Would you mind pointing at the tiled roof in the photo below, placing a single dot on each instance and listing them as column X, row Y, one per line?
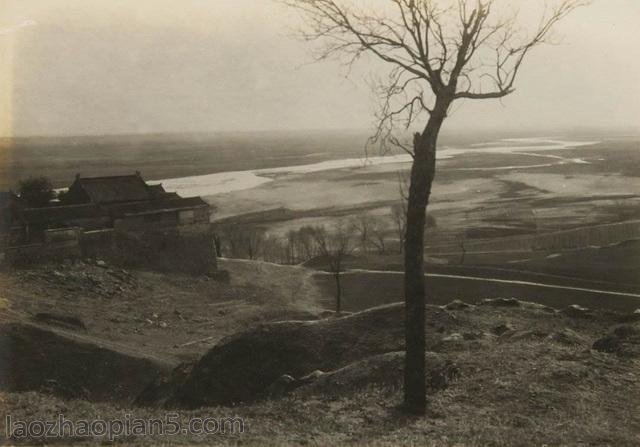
column 154, row 206
column 122, row 188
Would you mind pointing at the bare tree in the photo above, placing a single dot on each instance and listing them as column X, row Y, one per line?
column 292, row 242
column 307, row 243
column 253, row 242
column 362, row 227
column 438, row 52
column 241, row 242
column 461, row 239
column 399, row 216
column 379, row 229
column 335, row 247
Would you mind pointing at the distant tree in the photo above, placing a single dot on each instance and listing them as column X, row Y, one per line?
column 462, row 243
column 438, row 52
column 379, row 229
column 244, row 242
column 217, row 242
column 461, row 238
column 230, row 240
column 253, row 240
column 307, row 244
column 362, row 228
column 399, row 217
column 335, row 247
column 36, row 191
column 292, row 245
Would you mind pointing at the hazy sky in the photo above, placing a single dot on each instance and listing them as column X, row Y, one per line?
column 122, row 66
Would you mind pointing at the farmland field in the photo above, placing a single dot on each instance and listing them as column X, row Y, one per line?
column 489, row 185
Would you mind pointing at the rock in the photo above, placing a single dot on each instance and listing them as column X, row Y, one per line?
column 502, row 328
column 539, row 307
column 623, row 341
column 310, row 377
column 44, row 360
column 631, row 318
column 570, row 372
column 241, row 366
column 163, row 385
column 567, row 337
column 453, row 337
column 472, row 335
column 575, row 311
column 626, row 331
column 457, row 305
column 526, row 335
column 501, row 302
column 608, row 343
column 101, row 263
column 280, row 386
column 68, row 321
column 381, row 370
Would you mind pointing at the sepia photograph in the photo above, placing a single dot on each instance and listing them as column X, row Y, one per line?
column 320, row 222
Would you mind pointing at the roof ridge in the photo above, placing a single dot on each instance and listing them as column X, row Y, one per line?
column 111, row 176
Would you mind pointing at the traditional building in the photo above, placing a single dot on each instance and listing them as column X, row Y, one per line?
column 120, row 217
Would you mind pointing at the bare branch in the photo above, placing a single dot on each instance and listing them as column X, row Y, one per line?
column 438, row 51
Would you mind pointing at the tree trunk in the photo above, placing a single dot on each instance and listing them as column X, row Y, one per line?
column 422, row 175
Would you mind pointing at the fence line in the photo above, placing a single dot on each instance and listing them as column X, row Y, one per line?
column 598, row 235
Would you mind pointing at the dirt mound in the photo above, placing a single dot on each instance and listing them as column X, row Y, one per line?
column 242, row 366
column 379, row 370
column 36, row 359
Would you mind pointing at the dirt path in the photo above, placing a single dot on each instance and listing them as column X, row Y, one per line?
column 363, row 289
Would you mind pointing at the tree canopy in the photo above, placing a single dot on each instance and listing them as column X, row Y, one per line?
column 36, row 191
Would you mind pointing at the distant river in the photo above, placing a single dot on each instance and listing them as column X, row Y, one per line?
column 226, row 182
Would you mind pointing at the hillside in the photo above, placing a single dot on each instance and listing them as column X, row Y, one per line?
column 171, row 316
column 499, row 372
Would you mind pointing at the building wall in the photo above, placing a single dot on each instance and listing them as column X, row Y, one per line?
column 98, row 243
column 166, row 241
column 185, row 248
column 63, row 243
column 146, row 221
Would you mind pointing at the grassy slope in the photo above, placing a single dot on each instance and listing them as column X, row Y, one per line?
column 528, row 386
column 614, row 268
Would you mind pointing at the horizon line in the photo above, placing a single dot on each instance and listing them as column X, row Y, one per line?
column 573, row 128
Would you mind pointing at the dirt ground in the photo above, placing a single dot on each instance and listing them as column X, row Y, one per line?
column 171, row 316
column 518, row 374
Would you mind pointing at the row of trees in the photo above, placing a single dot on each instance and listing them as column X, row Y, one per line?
column 366, row 234
column 297, row 246
column 327, row 247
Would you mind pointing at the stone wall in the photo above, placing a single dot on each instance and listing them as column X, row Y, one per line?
column 187, row 248
column 63, row 243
